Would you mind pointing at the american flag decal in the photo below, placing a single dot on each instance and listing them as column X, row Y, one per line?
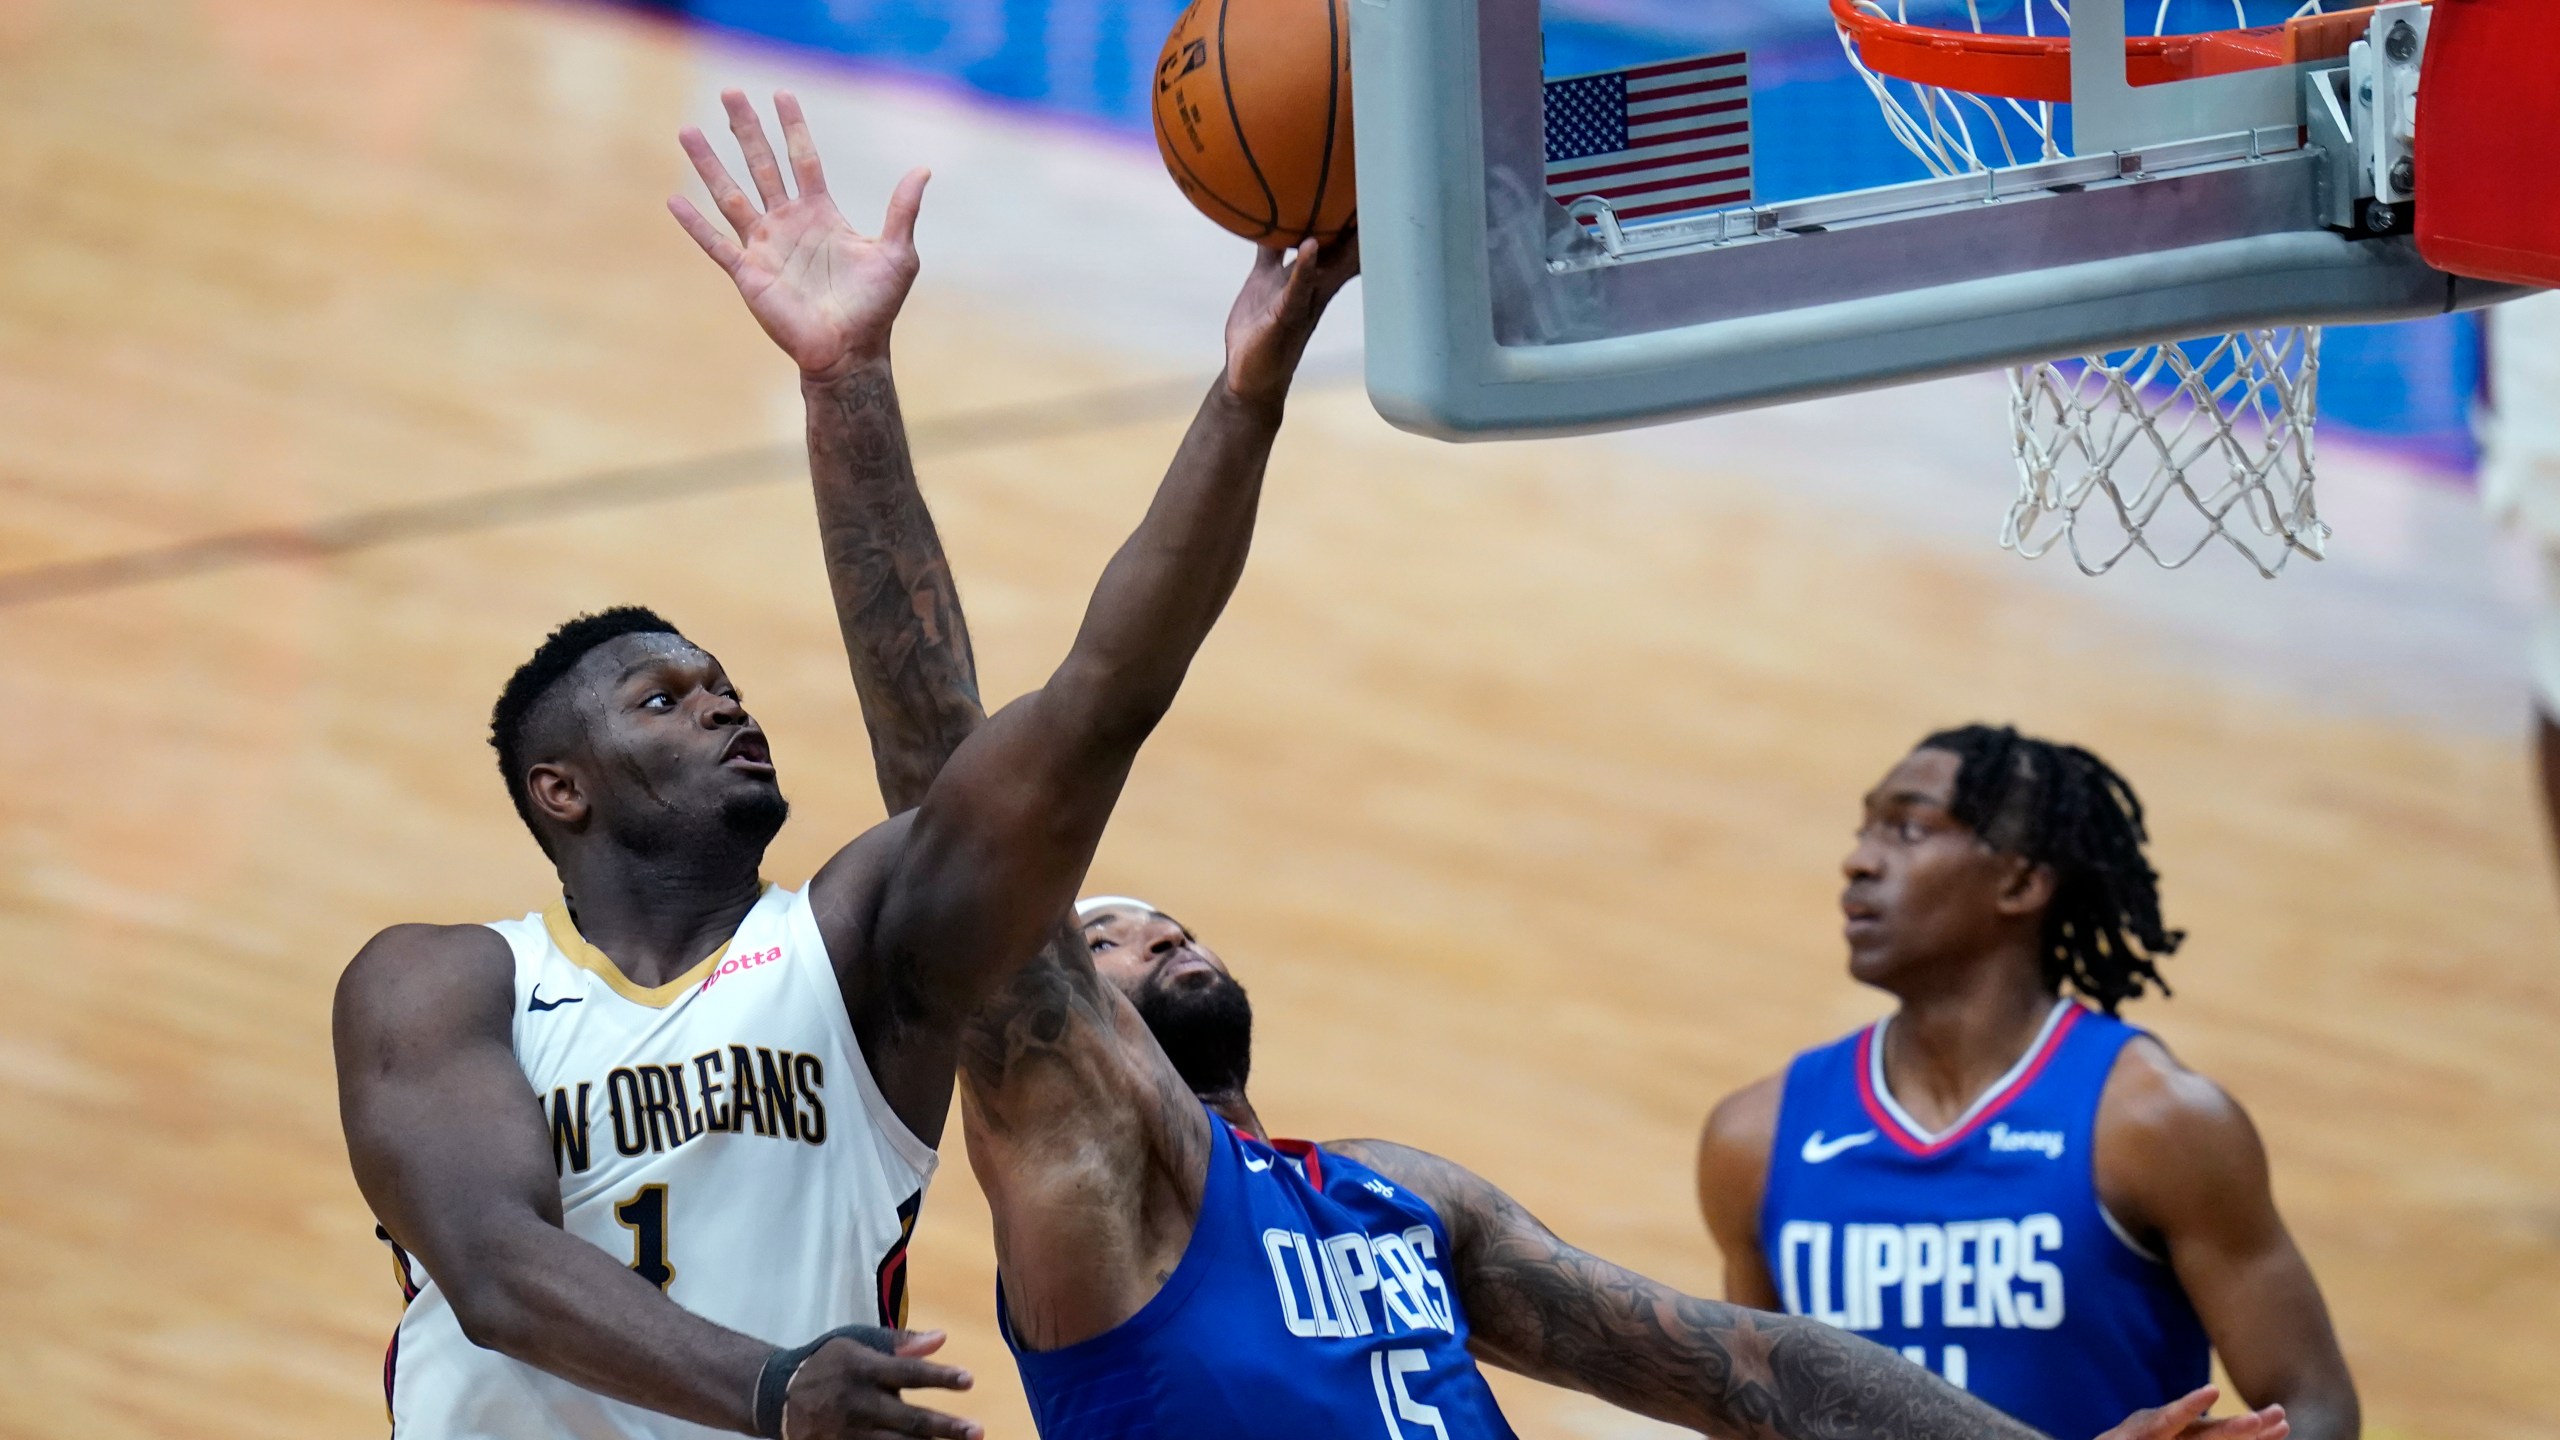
column 1655, row 140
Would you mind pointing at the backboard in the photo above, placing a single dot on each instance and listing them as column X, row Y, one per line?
column 2181, row 208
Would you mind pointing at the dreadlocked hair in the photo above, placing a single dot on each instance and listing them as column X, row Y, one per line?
column 2063, row 807
column 557, row 655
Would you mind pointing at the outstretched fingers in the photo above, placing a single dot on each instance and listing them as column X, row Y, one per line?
column 905, row 203
column 733, row 203
column 723, row 251
column 748, row 127
column 805, row 169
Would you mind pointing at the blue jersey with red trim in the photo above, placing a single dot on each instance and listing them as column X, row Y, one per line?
column 1982, row 1251
column 1313, row 1300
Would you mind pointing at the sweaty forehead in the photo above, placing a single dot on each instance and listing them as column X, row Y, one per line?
column 623, row 655
column 574, row 701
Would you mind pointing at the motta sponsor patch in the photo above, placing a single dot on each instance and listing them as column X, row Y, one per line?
column 744, row 960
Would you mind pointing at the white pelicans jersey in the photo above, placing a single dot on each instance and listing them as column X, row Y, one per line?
column 719, row 1133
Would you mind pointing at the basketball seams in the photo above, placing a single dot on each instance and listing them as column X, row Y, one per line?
column 1199, row 187
column 1235, row 122
column 1332, row 113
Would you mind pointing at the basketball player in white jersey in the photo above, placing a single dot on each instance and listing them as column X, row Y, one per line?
column 737, row 1087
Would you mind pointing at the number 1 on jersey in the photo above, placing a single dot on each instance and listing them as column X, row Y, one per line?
column 645, row 1216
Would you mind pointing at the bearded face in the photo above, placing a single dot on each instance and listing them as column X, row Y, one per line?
column 1195, row 1009
column 1205, row 1024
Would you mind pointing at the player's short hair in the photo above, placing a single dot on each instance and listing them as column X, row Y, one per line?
column 557, row 655
column 2061, row 806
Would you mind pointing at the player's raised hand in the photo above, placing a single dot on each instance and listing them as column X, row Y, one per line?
column 846, row 1390
column 2184, row 1419
column 1276, row 313
column 825, row 292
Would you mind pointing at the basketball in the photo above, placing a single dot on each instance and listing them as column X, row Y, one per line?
column 1253, row 116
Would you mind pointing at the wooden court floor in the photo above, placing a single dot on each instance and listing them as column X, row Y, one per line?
column 344, row 348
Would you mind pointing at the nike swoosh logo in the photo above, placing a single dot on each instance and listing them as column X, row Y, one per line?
column 537, row 1004
column 1256, row 1166
column 1817, row 1149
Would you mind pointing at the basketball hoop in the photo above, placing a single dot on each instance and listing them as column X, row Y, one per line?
column 2219, row 428
column 2223, row 426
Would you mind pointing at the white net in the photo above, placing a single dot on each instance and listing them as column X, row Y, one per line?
column 2183, row 443
column 2168, row 448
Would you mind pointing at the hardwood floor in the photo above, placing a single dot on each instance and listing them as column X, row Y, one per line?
column 1514, row 783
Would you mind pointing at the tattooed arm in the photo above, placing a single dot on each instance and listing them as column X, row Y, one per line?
column 895, row 601
column 1549, row 1311
column 829, row 295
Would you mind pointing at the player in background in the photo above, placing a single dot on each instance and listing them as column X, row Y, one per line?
column 2520, row 485
column 2002, row 1180
column 1168, row 1272
column 738, row 1086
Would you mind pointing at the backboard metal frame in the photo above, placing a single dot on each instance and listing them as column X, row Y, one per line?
column 1491, row 313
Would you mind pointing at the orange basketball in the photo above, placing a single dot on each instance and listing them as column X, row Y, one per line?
column 1253, row 115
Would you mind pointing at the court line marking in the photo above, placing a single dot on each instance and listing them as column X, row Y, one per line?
column 1083, row 413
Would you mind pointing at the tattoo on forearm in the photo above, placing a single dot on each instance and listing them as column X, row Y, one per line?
column 1031, row 1020
column 1551, row 1311
column 895, row 600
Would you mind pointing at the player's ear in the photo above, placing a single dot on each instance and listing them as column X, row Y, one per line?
column 557, row 794
column 2029, row 887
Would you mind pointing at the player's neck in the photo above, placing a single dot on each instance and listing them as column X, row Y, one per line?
column 1949, row 1044
column 655, row 921
column 1232, row 1107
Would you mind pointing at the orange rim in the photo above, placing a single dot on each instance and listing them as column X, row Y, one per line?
column 2038, row 67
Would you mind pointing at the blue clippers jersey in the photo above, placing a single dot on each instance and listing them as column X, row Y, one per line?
column 1312, row 1301
column 1982, row 1252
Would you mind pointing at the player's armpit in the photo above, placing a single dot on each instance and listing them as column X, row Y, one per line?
column 1549, row 1311
column 1092, row 1151
column 449, row 1147
column 1733, row 1175
column 2180, row 1165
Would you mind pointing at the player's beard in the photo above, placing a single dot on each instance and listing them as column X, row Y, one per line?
column 1206, row 1031
column 754, row 817
column 726, row 834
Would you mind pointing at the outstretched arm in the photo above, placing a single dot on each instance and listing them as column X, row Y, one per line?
column 448, row 1144
column 1554, row 1313
column 828, row 296
column 1004, row 834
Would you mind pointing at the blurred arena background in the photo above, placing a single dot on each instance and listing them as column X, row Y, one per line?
column 345, row 347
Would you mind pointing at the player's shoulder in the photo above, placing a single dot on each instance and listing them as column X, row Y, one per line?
column 409, row 966
column 1734, row 1149
column 1387, row 1157
column 1745, row 1123
column 2150, row 1089
column 1446, row 1186
column 2158, row 1113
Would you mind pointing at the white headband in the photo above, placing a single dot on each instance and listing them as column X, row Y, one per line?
column 1089, row 904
